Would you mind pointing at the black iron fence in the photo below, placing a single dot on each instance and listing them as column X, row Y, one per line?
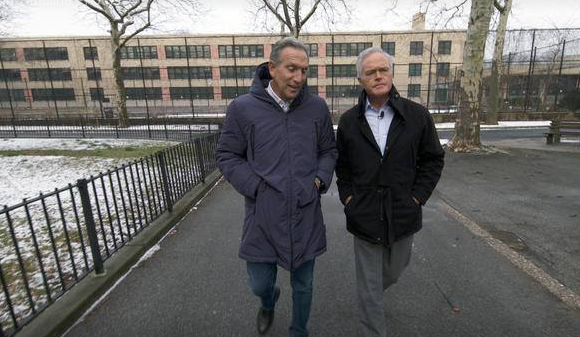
column 168, row 128
column 51, row 242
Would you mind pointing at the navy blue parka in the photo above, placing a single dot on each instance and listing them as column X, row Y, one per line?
column 272, row 157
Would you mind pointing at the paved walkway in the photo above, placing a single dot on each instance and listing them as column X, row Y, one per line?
column 195, row 285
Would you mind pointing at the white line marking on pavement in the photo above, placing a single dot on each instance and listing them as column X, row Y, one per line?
column 554, row 286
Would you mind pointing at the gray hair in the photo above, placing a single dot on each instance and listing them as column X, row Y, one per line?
column 363, row 55
column 275, row 55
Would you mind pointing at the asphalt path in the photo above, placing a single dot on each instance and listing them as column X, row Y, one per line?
column 456, row 285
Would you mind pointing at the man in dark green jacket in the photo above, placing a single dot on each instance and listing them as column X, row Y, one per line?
column 390, row 160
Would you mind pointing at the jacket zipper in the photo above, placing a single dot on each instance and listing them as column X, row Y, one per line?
column 316, row 139
column 252, row 137
column 290, row 215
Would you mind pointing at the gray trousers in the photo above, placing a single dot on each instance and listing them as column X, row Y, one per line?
column 377, row 268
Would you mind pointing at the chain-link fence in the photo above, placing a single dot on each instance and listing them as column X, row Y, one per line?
column 200, row 75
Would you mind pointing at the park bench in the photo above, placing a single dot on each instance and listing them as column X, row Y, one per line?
column 559, row 129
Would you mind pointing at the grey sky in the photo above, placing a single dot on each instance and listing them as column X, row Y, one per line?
column 66, row 17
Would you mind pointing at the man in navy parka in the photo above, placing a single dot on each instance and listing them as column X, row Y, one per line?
column 277, row 148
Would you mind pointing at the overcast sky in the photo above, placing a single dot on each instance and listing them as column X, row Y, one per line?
column 67, row 17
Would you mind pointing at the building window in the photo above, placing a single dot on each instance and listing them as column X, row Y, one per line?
column 8, row 54
column 59, row 94
column 313, row 90
column 346, row 49
column 233, row 92
column 416, row 48
column 195, row 73
column 415, row 69
column 341, row 70
column 241, row 71
column 312, row 49
column 53, row 74
column 389, row 47
column 143, row 93
column 10, row 75
column 341, row 91
column 189, row 93
column 441, row 95
column 444, row 48
column 245, row 50
column 90, row 53
column 132, row 52
column 52, row 54
column 139, row 73
column 14, row 95
column 180, row 52
column 312, row 71
column 97, row 94
column 414, row 90
column 94, row 74
column 443, row 69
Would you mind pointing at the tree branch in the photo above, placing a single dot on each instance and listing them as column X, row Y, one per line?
column 98, row 10
column 275, row 12
column 287, row 15
column 498, row 6
column 312, row 10
column 133, row 9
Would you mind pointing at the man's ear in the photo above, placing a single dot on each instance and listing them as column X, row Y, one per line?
column 271, row 67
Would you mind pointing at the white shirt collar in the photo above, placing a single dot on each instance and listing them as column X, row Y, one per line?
column 370, row 107
column 285, row 105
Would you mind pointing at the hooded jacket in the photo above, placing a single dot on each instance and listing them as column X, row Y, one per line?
column 382, row 209
column 272, row 157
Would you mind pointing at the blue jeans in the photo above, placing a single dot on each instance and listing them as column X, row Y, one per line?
column 262, row 279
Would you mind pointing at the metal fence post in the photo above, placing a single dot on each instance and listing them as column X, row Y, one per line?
column 165, row 127
column 14, row 127
column 90, row 222
column 199, row 155
column 82, row 126
column 165, row 180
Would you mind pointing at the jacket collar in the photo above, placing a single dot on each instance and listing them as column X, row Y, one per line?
column 394, row 102
column 397, row 125
column 261, row 80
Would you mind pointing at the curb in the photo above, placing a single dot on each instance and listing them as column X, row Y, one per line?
column 65, row 311
column 551, row 284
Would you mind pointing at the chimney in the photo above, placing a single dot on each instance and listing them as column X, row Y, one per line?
column 418, row 21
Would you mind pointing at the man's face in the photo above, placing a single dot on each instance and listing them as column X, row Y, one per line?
column 376, row 76
column 290, row 74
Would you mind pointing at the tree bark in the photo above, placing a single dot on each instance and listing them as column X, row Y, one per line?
column 120, row 97
column 466, row 137
column 497, row 63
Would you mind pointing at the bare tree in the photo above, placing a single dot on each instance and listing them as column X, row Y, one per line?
column 466, row 137
column 8, row 11
column 294, row 16
column 497, row 60
column 126, row 19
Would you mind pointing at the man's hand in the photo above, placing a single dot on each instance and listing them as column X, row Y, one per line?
column 347, row 200
column 317, row 182
column 417, row 202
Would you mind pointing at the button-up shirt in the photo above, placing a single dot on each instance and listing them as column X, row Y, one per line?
column 379, row 121
column 285, row 105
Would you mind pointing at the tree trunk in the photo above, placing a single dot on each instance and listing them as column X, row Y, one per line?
column 497, row 64
column 466, row 138
column 120, row 97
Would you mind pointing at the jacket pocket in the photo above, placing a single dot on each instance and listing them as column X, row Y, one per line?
column 252, row 146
